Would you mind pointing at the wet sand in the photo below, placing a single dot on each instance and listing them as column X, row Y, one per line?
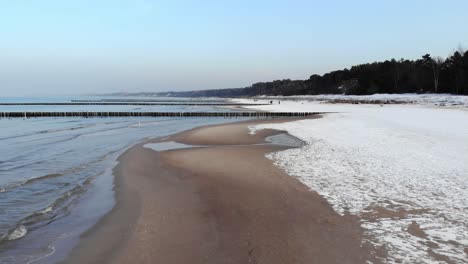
column 225, row 203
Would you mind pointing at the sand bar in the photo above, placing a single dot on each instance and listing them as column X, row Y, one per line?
column 225, row 203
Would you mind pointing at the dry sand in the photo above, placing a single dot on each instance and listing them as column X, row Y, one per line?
column 225, row 203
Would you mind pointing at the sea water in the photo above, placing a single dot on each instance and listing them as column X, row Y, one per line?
column 56, row 173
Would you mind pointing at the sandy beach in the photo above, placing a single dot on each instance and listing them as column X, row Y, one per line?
column 222, row 203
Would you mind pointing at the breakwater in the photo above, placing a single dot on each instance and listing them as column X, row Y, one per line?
column 155, row 114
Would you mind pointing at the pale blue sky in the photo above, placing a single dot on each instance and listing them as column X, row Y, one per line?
column 83, row 46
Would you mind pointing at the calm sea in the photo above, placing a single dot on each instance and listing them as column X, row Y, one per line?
column 56, row 173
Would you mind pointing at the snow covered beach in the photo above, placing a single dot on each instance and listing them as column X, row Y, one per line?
column 403, row 169
column 439, row 100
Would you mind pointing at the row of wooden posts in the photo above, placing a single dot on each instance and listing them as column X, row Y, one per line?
column 154, row 114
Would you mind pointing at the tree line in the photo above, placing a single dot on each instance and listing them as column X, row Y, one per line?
column 425, row 75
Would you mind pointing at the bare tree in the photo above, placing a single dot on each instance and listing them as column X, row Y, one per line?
column 436, row 65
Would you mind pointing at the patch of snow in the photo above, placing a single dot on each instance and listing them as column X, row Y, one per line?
column 410, row 160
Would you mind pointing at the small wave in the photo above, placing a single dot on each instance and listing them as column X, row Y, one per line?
column 60, row 203
column 71, row 170
column 45, row 141
column 46, row 132
column 47, row 176
column 63, row 129
column 18, row 233
column 29, row 181
column 44, row 216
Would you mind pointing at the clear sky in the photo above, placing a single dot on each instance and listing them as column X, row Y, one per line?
column 86, row 46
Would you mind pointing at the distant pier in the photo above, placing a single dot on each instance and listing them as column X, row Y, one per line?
column 156, row 114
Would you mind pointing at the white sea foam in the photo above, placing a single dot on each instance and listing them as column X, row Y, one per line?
column 410, row 160
column 46, row 210
column 18, row 233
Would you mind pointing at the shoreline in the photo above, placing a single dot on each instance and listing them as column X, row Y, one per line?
column 222, row 203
